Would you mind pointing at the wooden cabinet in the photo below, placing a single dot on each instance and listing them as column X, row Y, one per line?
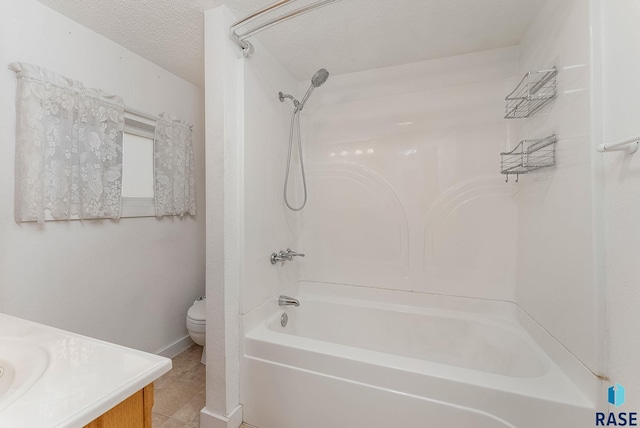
column 134, row 412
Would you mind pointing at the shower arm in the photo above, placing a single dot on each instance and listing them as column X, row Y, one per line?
column 296, row 103
column 240, row 39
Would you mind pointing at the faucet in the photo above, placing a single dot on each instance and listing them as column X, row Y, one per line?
column 288, row 301
column 284, row 256
column 290, row 254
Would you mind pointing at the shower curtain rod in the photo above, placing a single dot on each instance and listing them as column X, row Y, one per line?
column 240, row 39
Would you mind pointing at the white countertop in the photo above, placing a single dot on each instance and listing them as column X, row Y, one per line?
column 84, row 378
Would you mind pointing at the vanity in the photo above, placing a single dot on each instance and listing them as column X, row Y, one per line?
column 134, row 412
column 54, row 378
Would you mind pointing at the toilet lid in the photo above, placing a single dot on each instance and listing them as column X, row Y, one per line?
column 197, row 311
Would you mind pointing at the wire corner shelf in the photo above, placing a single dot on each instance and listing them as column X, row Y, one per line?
column 528, row 156
column 535, row 90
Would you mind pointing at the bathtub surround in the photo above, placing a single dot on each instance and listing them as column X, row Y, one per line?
column 442, row 122
column 621, row 110
column 129, row 282
column 414, row 148
column 268, row 226
column 559, row 237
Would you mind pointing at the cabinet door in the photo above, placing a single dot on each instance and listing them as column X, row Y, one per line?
column 134, row 412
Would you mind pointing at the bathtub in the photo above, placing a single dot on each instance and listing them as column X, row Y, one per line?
column 356, row 357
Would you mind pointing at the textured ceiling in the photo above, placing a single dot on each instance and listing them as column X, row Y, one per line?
column 346, row 36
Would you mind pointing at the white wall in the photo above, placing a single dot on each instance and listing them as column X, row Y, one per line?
column 557, row 259
column 223, row 69
column 129, row 282
column 621, row 90
column 404, row 184
column 247, row 135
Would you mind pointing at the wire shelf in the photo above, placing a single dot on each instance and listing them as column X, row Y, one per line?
column 533, row 92
column 529, row 155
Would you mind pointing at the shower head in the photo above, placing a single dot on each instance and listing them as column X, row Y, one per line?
column 318, row 79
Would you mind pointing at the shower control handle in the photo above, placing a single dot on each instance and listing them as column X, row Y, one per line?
column 277, row 257
column 290, row 254
column 284, row 256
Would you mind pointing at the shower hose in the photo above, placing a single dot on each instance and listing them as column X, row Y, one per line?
column 295, row 126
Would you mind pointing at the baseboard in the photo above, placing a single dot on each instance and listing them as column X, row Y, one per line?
column 211, row 420
column 176, row 347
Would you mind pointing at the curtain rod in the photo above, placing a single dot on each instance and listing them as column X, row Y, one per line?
column 141, row 114
column 247, row 47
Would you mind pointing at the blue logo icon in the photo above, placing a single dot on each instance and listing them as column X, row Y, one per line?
column 616, row 395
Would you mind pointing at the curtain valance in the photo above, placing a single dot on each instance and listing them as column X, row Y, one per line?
column 69, row 152
column 174, row 170
column 68, row 148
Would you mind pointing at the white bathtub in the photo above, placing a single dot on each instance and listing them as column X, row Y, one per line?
column 354, row 357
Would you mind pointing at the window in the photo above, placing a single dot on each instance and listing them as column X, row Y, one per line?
column 137, row 166
column 81, row 154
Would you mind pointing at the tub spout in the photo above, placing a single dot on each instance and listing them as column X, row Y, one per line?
column 288, row 301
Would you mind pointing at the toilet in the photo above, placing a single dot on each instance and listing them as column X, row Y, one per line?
column 196, row 324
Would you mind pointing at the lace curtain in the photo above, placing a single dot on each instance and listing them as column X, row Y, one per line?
column 68, row 148
column 174, row 170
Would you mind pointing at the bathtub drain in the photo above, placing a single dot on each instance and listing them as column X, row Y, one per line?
column 284, row 319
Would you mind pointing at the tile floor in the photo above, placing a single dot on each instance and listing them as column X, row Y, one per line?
column 180, row 393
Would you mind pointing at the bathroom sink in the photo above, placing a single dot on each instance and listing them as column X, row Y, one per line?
column 56, row 378
column 22, row 363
